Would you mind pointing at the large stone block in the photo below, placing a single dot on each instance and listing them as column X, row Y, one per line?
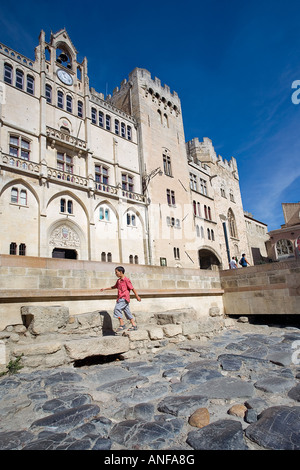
column 176, row 316
column 172, row 330
column 41, row 320
column 104, row 346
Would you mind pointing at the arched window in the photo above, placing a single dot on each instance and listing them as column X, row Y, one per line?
column 70, row 207
column 22, row 249
column 8, row 73
column 284, row 248
column 62, row 205
column 13, row 248
column 23, row 197
column 232, row 224
column 14, row 195
column 131, row 219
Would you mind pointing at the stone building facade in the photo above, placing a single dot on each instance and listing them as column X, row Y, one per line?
column 108, row 179
column 258, row 238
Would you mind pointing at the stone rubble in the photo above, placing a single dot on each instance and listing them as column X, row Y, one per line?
column 237, row 390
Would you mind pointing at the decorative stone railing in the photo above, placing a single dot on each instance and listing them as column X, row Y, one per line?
column 60, row 136
column 20, row 164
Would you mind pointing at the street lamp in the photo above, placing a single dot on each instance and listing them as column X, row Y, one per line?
column 148, row 177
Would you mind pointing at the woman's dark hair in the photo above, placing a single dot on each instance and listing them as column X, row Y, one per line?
column 120, row 269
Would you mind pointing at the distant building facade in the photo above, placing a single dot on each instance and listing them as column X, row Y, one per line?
column 285, row 242
column 108, row 179
column 258, row 238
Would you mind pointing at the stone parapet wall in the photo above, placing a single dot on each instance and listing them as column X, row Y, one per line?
column 75, row 284
column 268, row 289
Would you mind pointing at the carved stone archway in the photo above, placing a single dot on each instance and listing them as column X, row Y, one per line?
column 64, row 242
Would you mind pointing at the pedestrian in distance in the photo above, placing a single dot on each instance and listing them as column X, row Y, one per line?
column 232, row 263
column 124, row 287
column 243, row 262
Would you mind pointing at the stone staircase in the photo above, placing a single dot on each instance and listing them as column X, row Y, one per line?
column 50, row 337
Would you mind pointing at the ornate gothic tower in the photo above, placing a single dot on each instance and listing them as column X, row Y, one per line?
column 163, row 165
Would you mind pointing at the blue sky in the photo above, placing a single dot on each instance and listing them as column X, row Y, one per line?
column 232, row 63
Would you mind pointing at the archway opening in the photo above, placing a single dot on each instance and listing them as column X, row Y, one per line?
column 208, row 260
column 64, row 253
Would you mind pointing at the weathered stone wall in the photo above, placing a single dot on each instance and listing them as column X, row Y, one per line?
column 268, row 289
column 50, row 337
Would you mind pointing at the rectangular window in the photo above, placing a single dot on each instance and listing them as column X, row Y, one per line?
column 19, row 79
column 80, row 109
column 25, row 149
column 19, row 147
column 30, row 84
column 70, row 207
column 101, row 119
column 94, row 116
column 101, row 174
column 62, row 205
column 170, row 197
column 127, row 182
column 117, row 127
column 167, row 165
column 22, row 249
column 69, row 103
column 107, row 122
column 203, row 187
column 193, row 181
column 13, row 248
column 48, row 94
column 23, row 197
column 14, row 195
column 60, row 99
column 123, row 129
column 64, row 162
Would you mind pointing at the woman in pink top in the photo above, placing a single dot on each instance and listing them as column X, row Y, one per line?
column 124, row 287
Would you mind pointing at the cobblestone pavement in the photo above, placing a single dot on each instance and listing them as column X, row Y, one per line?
column 242, row 386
